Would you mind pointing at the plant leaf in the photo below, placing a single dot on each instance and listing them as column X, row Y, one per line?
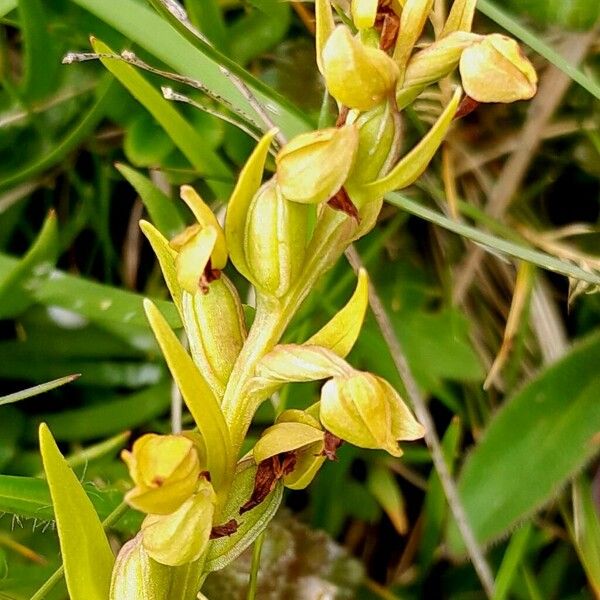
column 18, row 285
column 37, row 389
column 87, row 557
column 545, row 434
column 168, row 40
column 541, row 259
column 162, row 209
column 183, row 134
column 198, row 397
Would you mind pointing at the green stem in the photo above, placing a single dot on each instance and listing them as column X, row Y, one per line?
column 256, row 552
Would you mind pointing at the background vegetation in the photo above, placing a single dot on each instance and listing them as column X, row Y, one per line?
column 486, row 269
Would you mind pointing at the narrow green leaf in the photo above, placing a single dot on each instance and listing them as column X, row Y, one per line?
column 163, row 212
column 187, row 55
column 545, row 434
column 541, row 259
column 41, row 59
column 19, row 284
column 585, row 530
column 536, row 43
column 198, row 397
column 226, row 549
column 206, row 15
column 86, row 553
column 72, row 139
column 108, row 417
column 98, row 302
column 512, row 561
column 385, row 489
column 37, row 389
column 183, row 134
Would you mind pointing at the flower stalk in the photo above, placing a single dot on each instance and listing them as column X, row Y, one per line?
column 282, row 232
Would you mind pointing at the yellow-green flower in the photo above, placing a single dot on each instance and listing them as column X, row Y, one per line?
column 364, row 13
column 198, row 245
column 182, row 536
column 165, row 470
column 496, row 70
column 313, row 166
column 366, row 411
column 356, row 75
column 297, row 432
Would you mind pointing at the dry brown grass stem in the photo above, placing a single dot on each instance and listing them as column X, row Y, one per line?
column 431, row 438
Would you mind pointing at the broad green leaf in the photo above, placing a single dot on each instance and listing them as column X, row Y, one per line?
column 86, row 553
column 187, row 55
column 496, row 244
column 162, row 209
column 19, row 284
column 108, row 417
column 545, row 434
column 572, row 14
column 98, row 302
column 342, row 331
column 35, row 390
column 198, row 397
column 223, row 550
column 183, row 134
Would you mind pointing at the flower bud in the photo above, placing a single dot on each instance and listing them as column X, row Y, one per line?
column 182, row 536
column 496, row 70
column 433, row 63
column 364, row 13
column 292, row 433
column 198, row 244
column 314, row 166
column 216, row 331
column 357, row 76
column 275, row 239
column 136, row 576
column 165, row 470
column 366, row 411
column 379, row 132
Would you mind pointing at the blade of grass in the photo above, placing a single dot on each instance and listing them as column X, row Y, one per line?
column 60, row 150
column 541, row 259
column 185, row 137
column 536, row 43
column 187, row 55
column 37, row 389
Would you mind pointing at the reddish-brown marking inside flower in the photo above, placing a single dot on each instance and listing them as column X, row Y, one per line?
column 268, row 473
column 224, row 530
column 341, row 201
